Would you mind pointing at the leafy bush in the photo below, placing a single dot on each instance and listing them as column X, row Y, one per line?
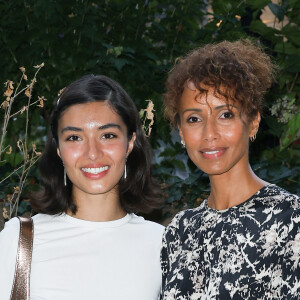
column 136, row 43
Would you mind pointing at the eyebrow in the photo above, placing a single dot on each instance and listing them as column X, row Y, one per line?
column 225, row 105
column 215, row 108
column 192, row 109
column 102, row 127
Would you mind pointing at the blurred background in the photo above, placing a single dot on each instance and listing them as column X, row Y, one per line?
column 46, row 44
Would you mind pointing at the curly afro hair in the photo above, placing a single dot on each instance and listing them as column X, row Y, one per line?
column 238, row 71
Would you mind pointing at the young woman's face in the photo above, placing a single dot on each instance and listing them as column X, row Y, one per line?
column 216, row 135
column 93, row 146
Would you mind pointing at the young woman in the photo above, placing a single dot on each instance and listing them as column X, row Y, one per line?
column 243, row 241
column 96, row 169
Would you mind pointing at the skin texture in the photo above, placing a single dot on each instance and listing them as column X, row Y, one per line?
column 217, row 141
column 92, row 135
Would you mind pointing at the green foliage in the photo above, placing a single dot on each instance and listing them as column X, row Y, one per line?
column 136, row 43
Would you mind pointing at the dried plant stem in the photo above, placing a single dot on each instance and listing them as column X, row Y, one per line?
column 22, row 180
column 23, row 144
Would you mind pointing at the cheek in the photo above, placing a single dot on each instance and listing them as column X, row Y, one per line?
column 191, row 136
column 70, row 152
column 236, row 134
column 117, row 151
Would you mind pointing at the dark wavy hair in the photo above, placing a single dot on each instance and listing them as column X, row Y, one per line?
column 138, row 192
column 239, row 71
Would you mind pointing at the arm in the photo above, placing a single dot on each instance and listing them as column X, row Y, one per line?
column 9, row 238
column 291, row 259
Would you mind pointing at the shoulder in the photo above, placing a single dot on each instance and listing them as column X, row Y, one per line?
column 11, row 229
column 275, row 190
column 185, row 218
column 183, row 223
column 148, row 235
column 147, row 226
column 273, row 195
column 40, row 219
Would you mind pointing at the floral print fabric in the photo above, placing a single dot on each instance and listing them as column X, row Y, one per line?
column 250, row 251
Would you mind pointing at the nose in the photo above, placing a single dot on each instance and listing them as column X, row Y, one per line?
column 210, row 131
column 94, row 150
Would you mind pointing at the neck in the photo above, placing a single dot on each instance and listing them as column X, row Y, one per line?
column 233, row 188
column 97, row 208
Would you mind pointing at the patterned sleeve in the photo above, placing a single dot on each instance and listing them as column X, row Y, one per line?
column 170, row 246
column 291, row 263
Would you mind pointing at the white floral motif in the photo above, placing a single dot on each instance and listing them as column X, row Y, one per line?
column 251, row 251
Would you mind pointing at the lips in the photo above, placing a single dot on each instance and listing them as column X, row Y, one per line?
column 95, row 171
column 212, row 153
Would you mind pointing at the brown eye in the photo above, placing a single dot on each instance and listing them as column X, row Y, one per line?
column 227, row 115
column 109, row 136
column 73, row 138
column 193, row 119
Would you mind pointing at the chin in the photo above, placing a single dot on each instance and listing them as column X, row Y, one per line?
column 211, row 172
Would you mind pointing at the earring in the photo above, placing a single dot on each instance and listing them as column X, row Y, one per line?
column 65, row 177
column 252, row 138
column 183, row 143
column 125, row 172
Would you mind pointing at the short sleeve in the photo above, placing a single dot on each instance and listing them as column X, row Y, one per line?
column 291, row 260
column 9, row 238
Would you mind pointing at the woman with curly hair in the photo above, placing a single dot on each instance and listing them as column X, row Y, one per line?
column 96, row 168
column 243, row 241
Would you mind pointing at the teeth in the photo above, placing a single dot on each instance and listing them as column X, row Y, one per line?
column 94, row 170
column 211, row 152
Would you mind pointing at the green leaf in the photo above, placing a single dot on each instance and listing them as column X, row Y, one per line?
column 275, row 128
column 286, row 48
column 168, row 152
column 120, row 63
column 277, row 10
column 290, row 135
column 292, row 32
column 258, row 4
column 268, row 33
column 292, row 63
column 179, row 164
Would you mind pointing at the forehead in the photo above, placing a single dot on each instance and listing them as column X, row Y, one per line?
column 99, row 112
column 193, row 98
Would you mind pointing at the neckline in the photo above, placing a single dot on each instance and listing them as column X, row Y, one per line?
column 221, row 211
column 107, row 224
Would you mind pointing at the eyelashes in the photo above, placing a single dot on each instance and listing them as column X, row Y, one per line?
column 227, row 115
column 76, row 138
column 73, row 138
column 193, row 119
column 109, row 136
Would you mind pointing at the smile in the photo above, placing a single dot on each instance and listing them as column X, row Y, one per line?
column 94, row 170
column 212, row 153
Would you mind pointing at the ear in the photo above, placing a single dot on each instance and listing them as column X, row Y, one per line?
column 254, row 125
column 58, row 152
column 131, row 143
column 180, row 132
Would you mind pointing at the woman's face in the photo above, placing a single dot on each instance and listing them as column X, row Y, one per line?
column 93, row 146
column 216, row 135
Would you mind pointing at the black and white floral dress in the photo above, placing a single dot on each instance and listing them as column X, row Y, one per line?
column 250, row 251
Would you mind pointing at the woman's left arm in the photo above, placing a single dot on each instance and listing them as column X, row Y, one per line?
column 291, row 260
